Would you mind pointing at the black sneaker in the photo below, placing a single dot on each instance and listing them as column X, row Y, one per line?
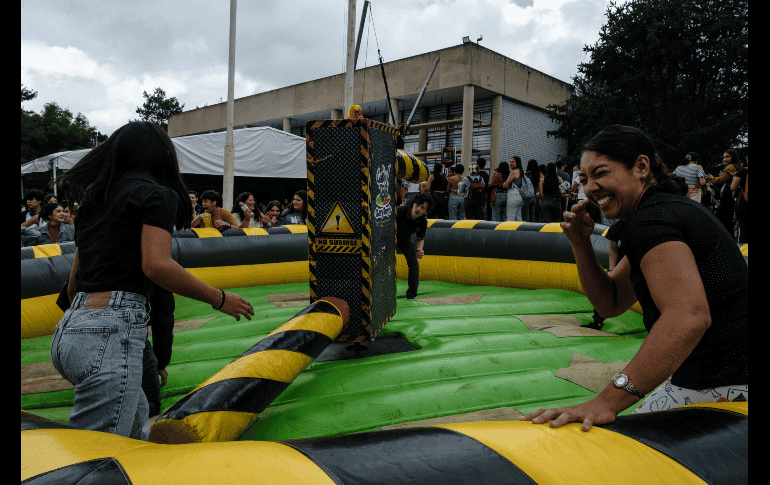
column 594, row 325
column 411, row 297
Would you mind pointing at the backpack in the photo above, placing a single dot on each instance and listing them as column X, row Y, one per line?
column 477, row 193
column 527, row 190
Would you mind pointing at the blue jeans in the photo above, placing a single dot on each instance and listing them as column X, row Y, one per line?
column 100, row 351
column 499, row 207
column 456, row 209
column 515, row 203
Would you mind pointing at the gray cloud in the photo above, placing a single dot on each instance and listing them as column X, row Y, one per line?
column 98, row 57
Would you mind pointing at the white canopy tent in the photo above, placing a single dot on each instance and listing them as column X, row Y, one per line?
column 259, row 152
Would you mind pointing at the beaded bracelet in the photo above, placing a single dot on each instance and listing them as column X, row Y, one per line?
column 221, row 302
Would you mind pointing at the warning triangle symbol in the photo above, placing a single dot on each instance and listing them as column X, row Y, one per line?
column 337, row 222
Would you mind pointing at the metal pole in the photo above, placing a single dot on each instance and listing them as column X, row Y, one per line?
column 360, row 32
column 349, row 72
column 422, row 93
column 227, row 189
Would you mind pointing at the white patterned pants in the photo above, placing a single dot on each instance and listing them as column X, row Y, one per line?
column 668, row 396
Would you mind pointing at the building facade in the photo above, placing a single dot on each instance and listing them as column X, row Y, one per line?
column 499, row 104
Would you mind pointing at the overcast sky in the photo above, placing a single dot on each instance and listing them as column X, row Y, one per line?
column 97, row 57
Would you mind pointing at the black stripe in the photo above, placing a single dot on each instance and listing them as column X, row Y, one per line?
column 241, row 394
column 442, row 225
column 102, row 470
column 305, row 342
column 27, row 253
column 233, row 232
column 414, row 455
column 486, row 225
column 530, row 226
column 712, row 443
column 31, row 422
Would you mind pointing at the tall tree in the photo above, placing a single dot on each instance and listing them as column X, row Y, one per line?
column 54, row 129
column 158, row 109
column 676, row 69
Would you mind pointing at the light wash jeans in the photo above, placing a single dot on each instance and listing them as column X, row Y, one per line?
column 100, row 352
column 499, row 208
column 514, row 204
column 456, row 209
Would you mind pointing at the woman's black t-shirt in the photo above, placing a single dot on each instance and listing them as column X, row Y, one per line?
column 109, row 237
column 722, row 356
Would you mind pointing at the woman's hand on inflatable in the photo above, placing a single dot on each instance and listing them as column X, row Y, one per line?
column 578, row 225
column 595, row 411
column 235, row 306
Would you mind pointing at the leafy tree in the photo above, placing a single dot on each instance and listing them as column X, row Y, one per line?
column 54, row 129
column 158, row 109
column 677, row 70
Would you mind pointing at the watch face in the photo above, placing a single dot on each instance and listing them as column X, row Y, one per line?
column 621, row 380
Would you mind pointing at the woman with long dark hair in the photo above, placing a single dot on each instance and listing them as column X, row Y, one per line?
column 129, row 196
column 499, row 213
column 296, row 213
column 682, row 267
column 532, row 211
column 550, row 194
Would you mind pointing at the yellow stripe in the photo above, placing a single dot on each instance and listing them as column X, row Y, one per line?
column 46, row 250
column 552, row 227
column 736, row 407
column 276, row 365
column 297, row 228
column 231, row 462
column 204, row 232
column 604, row 234
column 465, row 224
column 252, row 274
column 45, row 450
column 39, row 316
column 508, row 226
column 745, row 249
column 325, row 323
column 217, row 426
column 432, row 221
column 555, row 455
column 255, row 231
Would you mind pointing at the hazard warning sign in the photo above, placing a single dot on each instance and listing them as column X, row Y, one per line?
column 337, row 222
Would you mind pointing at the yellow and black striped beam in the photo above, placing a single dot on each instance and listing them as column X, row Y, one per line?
column 410, row 168
column 223, row 406
column 697, row 444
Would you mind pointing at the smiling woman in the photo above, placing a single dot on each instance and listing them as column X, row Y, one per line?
column 681, row 265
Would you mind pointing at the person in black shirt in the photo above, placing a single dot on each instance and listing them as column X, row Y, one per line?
column 129, row 196
column 681, row 265
column 410, row 219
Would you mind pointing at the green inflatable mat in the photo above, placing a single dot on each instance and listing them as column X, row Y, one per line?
column 477, row 349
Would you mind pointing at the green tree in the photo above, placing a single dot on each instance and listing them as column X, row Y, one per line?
column 677, row 70
column 54, row 129
column 158, row 109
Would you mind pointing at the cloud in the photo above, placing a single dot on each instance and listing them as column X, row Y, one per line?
column 108, row 92
column 98, row 58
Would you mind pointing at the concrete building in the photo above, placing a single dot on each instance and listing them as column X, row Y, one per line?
column 506, row 99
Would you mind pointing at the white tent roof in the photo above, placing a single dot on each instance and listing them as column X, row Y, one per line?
column 259, row 152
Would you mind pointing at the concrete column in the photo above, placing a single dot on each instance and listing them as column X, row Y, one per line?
column 497, row 128
column 287, row 125
column 336, row 114
column 467, row 148
column 423, row 140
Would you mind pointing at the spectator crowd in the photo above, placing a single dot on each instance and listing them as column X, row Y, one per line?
column 46, row 220
column 535, row 192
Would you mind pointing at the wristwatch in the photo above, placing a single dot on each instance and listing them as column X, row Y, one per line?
column 621, row 382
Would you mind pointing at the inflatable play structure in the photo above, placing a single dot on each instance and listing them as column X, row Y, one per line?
column 490, row 340
column 339, row 379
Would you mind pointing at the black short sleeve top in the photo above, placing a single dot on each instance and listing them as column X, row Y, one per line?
column 721, row 357
column 108, row 237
